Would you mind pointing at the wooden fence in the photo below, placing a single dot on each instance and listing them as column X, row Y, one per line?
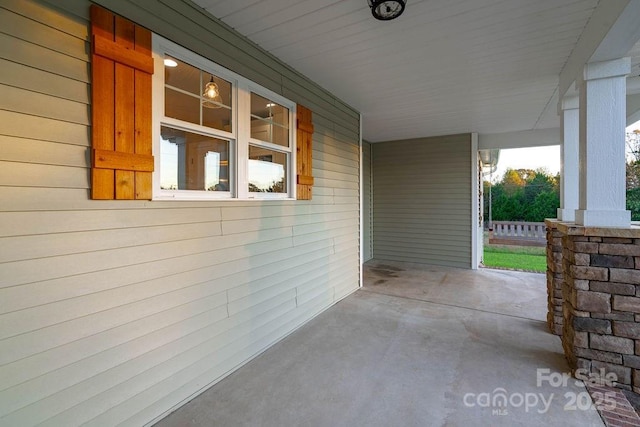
column 518, row 233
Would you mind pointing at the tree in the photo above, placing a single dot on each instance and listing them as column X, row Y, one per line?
column 539, row 182
column 633, row 159
column 633, row 173
column 508, row 207
column 513, row 180
column 633, row 203
column 545, row 205
column 524, row 195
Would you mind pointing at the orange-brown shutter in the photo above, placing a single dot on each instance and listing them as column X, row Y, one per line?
column 304, row 153
column 121, row 70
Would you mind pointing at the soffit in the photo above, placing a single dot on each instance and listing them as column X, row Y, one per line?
column 443, row 67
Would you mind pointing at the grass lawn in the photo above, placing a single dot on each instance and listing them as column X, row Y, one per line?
column 516, row 257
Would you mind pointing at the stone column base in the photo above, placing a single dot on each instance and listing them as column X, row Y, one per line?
column 554, row 277
column 601, row 301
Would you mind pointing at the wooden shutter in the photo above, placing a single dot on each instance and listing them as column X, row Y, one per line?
column 121, row 70
column 304, row 152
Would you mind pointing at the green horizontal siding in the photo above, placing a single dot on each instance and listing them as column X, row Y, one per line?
column 422, row 200
column 117, row 311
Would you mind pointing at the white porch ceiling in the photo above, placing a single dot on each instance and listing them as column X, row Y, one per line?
column 443, row 67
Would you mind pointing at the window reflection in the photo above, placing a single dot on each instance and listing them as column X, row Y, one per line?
column 182, row 76
column 191, row 161
column 269, row 121
column 267, row 170
column 188, row 96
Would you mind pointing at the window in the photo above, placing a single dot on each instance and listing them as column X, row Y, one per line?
column 195, row 96
column 269, row 149
column 192, row 161
column 216, row 134
column 269, row 121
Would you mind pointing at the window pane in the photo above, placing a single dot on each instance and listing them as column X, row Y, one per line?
column 190, row 161
column 267, row 170
column 217, row 118
column 269, row 121
column 216, row 92
column 182, row 76
column 181, row 106
column 216, row 102
column 197, row 96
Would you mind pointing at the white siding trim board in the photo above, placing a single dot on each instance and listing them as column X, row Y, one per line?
column 476, row 224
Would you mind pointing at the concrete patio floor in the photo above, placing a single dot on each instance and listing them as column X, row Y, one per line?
column 417, row 346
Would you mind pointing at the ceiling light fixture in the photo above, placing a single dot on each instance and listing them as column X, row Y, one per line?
column 211, row 95
column 270, row 105
column 170, row 63
column 386, row 10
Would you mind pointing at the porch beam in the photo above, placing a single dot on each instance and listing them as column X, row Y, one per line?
column 522, row 139
column 633, row 109
column 633, row 86
column 633, row 100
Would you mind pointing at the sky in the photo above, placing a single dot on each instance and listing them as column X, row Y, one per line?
column 534, row 158
column 528, row 158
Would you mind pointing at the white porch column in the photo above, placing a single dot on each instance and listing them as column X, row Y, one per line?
column 569, row 159
column 602, row 126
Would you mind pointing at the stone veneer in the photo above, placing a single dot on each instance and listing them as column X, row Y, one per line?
column 554, row 277
column 601, row 300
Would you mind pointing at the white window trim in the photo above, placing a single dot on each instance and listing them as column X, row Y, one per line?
column 239, row 137
column 290, row 150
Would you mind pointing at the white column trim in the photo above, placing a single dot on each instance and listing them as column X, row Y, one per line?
column 476, row 254
column 361, row 191
column 569, row 159
column 607, row 69
column 602, row 193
